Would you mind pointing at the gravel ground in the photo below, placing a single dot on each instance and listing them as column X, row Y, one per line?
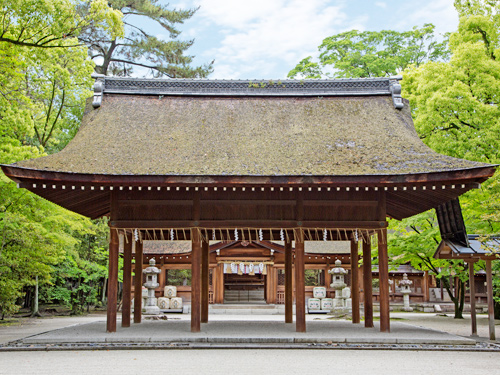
column 249, row 362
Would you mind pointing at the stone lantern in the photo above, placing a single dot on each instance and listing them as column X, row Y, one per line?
column 151, row 284
column 342, row 300
column 405, row 290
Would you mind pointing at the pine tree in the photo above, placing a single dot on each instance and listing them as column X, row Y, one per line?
column 140, row 49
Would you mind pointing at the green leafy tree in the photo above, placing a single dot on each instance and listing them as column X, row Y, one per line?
column 43, row 81
column 414, row 241
column 141, row 49
column 455, row 107
column 354, row 54
column 79, row 280
column 456, row 104
column 179, row 277
column 454, row 98
column 50, row 23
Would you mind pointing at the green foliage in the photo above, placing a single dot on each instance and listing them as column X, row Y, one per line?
column 140, row 49
column 454, row 98
column 51, row 23
column 179, row 277
column 414, row 241
column 372, row 53
column 44, row 80
column 78, row 281
column 455, row 110
column 456, row 104
column 314, row 277
column 306, row 69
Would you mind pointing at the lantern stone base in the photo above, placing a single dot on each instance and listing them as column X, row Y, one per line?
column 151, row 310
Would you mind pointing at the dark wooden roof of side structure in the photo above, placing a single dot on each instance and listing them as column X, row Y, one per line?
column 488, row 249
column 337, row 135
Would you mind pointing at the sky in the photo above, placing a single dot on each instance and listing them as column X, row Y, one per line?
column 265, row 39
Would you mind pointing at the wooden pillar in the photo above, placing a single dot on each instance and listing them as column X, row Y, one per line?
column 367, row 283
column 383, row 271
column 300, row 293
column 127, row 281
column 195, row 281
column 472, row 294
column 112, row 281
column 355, row 281
column 138, row 282
column 205, row 269
column 489, row 292
column 425, row 286
column 288, row 282
column 271, row 280
column 219, row 284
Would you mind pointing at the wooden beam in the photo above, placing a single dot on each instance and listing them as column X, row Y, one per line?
column 127, row 281
column 468, row 176
column 205, row 269
column 300, row 293
column 288, row 282
column 195, row 281
column 232, row 224
column 491, row 310
column 112, row 281
column 138, row 282
column 245, row 202
column 367, row 283
column 355, row 281
column 155, row 202
column 472, row 288
column 383, row 274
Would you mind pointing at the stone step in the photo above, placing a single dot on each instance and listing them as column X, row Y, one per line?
column 248, row 308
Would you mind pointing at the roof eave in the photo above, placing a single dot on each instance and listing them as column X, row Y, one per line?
column 478, row 174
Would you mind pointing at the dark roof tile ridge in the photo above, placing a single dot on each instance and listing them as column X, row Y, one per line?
column 247, row 88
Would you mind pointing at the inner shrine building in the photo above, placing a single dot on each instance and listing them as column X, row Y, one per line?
column 226, row 161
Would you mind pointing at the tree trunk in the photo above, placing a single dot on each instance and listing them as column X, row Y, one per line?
column 456, row 295
column 104, row 288
column 462, row 300
column 34, row 311
column 103, row 69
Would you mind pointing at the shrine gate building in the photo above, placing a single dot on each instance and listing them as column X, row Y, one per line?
column 204, row 160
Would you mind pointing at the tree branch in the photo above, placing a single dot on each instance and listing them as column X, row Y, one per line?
column 57, row 117
column 26, row 44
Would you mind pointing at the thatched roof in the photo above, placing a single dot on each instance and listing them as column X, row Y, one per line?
column 162, row 247
column 166, row 247
column 246, row 131
column 327, row 247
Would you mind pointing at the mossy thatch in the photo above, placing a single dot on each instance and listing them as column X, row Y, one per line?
column 272, row 136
